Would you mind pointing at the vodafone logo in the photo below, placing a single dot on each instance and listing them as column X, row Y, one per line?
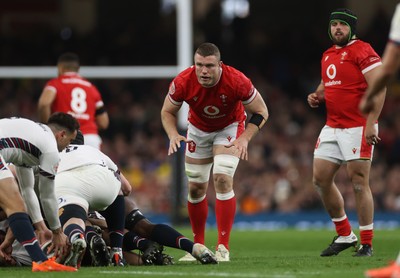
column 211, row 110
column 331, row 71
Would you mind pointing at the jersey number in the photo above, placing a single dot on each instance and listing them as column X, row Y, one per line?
column 78, row 100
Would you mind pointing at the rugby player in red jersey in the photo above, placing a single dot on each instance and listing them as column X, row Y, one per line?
column 348, row 136
column 217, row 96
column 71, row 93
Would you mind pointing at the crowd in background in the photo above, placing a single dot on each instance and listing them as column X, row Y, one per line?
column 277, row 176
column 284, row 68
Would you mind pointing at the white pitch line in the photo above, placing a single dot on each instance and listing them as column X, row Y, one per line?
column 207, row 274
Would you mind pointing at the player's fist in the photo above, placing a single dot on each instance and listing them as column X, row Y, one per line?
column 313, row 100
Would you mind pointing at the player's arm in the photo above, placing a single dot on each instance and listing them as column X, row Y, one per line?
column 316, row 98
column 258, row 116
column 371, row 133
column 26, row 181
column 102, row 119
column 126, row 187
column 44, row 104
column 169, row 118
column 390, row 64
column 49, row 201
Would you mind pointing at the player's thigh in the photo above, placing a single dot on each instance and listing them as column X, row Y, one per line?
column 10, row 197
column 358, row 171
column 324, row 171
column 200, row 145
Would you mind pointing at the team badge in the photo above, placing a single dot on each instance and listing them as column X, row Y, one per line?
column 192, row 146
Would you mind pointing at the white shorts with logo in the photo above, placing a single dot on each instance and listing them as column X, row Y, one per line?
column 343, row 144
column 203, row 142
column 93, row 187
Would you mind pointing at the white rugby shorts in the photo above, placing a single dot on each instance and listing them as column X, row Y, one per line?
column 343, row 144
column 93, row 187
column 203, row 142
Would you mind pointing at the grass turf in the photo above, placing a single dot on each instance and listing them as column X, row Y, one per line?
column 256, row 254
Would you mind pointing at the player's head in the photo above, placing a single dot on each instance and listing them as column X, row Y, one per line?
column 79, row 139
column 68, row 62
column 345, row 17
column 64, row 127
column 207, row 61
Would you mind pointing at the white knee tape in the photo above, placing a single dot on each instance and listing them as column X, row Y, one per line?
column 198, row 173
column 225, row 164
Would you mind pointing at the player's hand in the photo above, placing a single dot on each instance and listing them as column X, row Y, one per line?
column 59, row 243
column 371, row 135
column 175, row 143
column 43, row 235
column 239, row 148
column 6, row 250
column 313, row 100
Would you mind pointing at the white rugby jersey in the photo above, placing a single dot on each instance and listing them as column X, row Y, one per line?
column 26, row 143
column 75, row 156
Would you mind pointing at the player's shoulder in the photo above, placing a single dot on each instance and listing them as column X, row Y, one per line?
column 185, row 77
column 233, row 75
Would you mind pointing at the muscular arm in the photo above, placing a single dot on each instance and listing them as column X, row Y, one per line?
column 391, row 63
column 44, row 104
column 257, row 106
column 169, row 120
column 371, row 134
column 380, row 96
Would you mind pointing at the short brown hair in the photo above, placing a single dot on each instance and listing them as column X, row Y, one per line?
column 208, row 49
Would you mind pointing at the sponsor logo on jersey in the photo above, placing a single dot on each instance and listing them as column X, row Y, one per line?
column 211, row 110
column 331, row 73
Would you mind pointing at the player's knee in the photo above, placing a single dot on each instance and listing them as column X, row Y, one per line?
column 133, row 218
column 198, row 173
column 71, row 211
column 225, row 164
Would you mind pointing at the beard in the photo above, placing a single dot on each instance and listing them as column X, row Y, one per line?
column 342, row 41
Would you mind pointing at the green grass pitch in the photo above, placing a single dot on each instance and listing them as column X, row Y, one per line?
column 255, row 254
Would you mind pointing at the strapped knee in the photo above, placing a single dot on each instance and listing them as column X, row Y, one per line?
column 198, row 173
column 225, row 164
column 133, row 218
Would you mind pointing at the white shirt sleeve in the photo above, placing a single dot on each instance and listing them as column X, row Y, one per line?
column 394, row 34
column 49, row 201
column 26, row 183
